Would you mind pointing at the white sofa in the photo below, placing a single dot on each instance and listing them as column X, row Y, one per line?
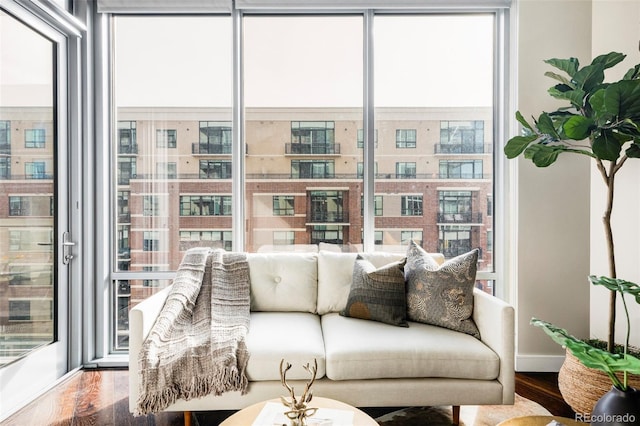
column 295, row 303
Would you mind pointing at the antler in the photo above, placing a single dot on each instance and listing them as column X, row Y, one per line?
column 308, row 394
column 283, row 380
column 298, row 408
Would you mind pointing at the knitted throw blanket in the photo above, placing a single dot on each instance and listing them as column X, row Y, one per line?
column 197, row 345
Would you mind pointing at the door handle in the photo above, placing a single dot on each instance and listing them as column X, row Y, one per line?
column 66, row 248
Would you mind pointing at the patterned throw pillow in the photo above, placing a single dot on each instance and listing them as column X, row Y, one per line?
column 377, row 294
column 441, row 295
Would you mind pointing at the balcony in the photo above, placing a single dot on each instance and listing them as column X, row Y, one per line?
column 328, row 217
column 210, row 148
column 312, row 149
column 128, row 149
column 462, row 148
column 459, row 217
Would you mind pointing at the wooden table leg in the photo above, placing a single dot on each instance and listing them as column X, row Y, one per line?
column 187, row 418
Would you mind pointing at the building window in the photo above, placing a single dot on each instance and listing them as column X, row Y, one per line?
column 215, row 169
column 205, row 205
column 312, row 169
column 28, row 240
column 463, row 169
column 457, row 206
column 35, row 205
column 411, row 205
column 405, row 170
column 330, row 234
column 361, row 138
column 166, row 138
column 151, row 241
column 150, row 205
column 5, row 168
column 127, row 143
column 167, row 170
column 461, row 137
column 126, row 170
column 216, row 238
column 283, row 205
column 377, row 205
column 35, row 170
column 5, row 136
column 405, row 138
column 454, row 240
column 490, row 205
column 407, row 236
column 312, row 132
column 326, row 206
column 215, row 138
column 360, row 169
column 282, row 238
column 31, row 310
column 34, row 138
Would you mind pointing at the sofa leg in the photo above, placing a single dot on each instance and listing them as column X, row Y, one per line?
column 187, row 418
column 455, row 420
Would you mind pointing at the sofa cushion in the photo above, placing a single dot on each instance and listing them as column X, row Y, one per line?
column 377, row 294
column 283, row 281
column 335, row 274
column 294, row 336
column 360, row 349
column 441, row 295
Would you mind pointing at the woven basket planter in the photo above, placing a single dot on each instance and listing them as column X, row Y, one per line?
column 581, row 387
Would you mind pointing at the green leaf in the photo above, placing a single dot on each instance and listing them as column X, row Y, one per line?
column 627, row 94
column 576, row 97
column 633, row 73
column 633, row 151
column 602, row 111
column 546, row 127
column 570, row 66
column 606, row 146
column 516, row 145
column 589, row 77
column 578, row 127
column 609, row 60
column 524, row 122
column 560, row 78
column 619, row 285
column 543, row 155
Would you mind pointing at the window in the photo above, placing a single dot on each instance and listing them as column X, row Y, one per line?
column 208, row 238
column 377, row 205
column 30, row 310
column 35, row 170
column 329, row 234
column 126, row 170
column 405, row 138
column 454, row 240
column 283, row 205
column 31, row 205
column 283, row 237
column 312, row 169
column 151, row 205
column 205, row 205
column 5, row 168
column 457, row 206
column 405, row 170
column 326, row 207
column 408, row 236
column 215, row 138
column 167, row 170
column 5, row 136
column 461, row 137
column 166, row 138
column 411, row 205
column 360, row 141
column 127, row 137
column 464, row 169
column 151, row 241
column 33, row 239
column 489, row 205
column 34, row 138
column 360, row 169
column 213, row 169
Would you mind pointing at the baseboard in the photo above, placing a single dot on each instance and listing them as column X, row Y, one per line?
column 539, row 363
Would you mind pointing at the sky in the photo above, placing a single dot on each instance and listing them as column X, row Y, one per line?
column 305, row 61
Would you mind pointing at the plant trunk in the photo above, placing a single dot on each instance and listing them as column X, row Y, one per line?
column 609, row 181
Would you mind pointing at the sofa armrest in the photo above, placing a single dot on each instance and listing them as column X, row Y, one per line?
column 141, row 319
column 496, row 321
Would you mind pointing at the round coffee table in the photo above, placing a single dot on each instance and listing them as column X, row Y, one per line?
column 539, row 421
column 247, row 416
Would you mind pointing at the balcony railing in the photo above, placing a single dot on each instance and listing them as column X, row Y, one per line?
column 459, row 217
column 459, row 148
column 328, row 217
column 128, row 149
column 312, row 149
column 210, row 148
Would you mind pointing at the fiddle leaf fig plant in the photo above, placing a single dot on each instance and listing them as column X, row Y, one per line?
column 600, row 120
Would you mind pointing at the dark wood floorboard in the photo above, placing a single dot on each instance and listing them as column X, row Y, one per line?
column 100, row 397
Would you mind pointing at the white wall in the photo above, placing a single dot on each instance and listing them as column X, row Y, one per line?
column 553, row 203
column 624, row 17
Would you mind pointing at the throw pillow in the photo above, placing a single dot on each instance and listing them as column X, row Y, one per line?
column 377, row 294
column 441, row 295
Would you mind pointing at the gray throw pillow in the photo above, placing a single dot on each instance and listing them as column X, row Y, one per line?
column 441, row 295
column 377, row 294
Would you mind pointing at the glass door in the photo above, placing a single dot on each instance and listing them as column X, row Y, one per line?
column 35, row 246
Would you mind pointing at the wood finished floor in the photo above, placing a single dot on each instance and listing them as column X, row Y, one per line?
column 100, row 397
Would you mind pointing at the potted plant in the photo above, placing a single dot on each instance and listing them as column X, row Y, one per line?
column 602, row 121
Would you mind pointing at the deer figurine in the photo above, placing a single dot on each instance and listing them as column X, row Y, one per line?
column 298, row 411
